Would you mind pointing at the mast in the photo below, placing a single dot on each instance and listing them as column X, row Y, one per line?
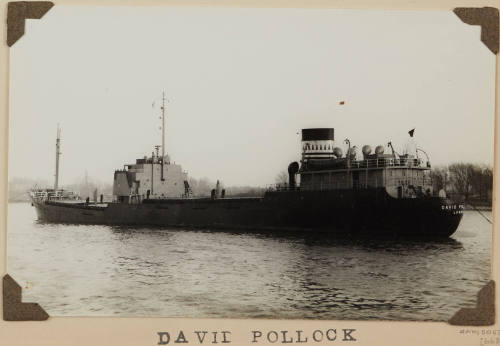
column 58, row 152
column 152, row 171
column 162, row 135
column 348, row 161
column 393, row 151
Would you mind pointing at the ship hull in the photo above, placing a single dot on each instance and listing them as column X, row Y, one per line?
column 368, row 211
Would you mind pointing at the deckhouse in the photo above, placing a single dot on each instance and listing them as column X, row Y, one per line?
column 325, row 167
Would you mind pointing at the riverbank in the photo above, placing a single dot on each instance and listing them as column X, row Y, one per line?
column 478, row 207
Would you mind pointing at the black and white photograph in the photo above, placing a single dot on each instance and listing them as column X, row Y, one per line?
column 261, row 163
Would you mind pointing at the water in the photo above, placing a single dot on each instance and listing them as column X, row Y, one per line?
column 76, row 270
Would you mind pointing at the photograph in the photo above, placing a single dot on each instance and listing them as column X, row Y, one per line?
column 256, row 163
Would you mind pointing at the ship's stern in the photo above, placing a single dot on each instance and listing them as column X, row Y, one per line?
column 448, row 215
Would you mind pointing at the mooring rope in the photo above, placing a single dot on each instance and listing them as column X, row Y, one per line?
column 474, row 207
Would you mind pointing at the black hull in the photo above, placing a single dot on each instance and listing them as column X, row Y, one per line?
column 368, row 211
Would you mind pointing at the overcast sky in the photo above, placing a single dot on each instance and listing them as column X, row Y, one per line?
column 241, row 85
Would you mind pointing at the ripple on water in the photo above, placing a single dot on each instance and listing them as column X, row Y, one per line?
column 78, row 270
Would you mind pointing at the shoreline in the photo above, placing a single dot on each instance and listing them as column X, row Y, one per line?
column 478, row 207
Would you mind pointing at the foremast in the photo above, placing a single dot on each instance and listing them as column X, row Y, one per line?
column 163, row 136
column 58, row 152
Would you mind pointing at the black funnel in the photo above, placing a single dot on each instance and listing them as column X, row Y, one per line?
column 293, row 169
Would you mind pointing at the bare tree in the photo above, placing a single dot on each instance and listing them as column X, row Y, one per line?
column 201, row 187
column 464, row 179
column 462, row 176
column 282, row 178
column 488, row 181
column 245, row 191
column 439, row 178
column 85, row 186
column 19, row 187
column 482, row 181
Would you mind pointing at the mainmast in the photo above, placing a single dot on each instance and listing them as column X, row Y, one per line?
column 162, row 135
column 58, row 152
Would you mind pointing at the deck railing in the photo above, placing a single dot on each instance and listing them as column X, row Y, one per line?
column 367, row 163
column 362, row 183
column 387, row 162
column 50, row 194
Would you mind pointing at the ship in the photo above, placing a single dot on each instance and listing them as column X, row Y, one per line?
column 327, row 190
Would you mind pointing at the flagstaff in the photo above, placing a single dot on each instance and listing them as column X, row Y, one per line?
column 162, row 135
column 58, row 152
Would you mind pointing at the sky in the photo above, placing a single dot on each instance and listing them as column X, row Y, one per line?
column 241, row 83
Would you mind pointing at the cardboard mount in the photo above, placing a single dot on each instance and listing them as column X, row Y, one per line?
column 15, row 310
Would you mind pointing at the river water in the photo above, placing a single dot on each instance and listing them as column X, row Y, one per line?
column 77, row 270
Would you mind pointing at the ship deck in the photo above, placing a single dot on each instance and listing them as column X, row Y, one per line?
column 201, row 199
column 78, row 204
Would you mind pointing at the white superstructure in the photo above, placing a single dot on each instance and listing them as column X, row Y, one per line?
column 143, row 180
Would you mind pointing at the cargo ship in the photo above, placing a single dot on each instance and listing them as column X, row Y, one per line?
column 372, row 192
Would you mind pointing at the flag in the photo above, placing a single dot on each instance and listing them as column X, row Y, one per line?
column 411, row 132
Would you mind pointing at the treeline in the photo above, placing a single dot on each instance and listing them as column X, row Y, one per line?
column 466, row 181
column 84, row 187
column 203, row 187
column 19, row 188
